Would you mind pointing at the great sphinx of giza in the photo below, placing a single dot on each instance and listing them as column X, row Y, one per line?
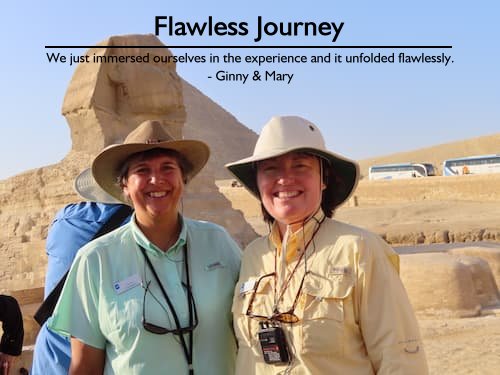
column 103, row 103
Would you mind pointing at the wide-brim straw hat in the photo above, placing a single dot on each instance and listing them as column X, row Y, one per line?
column 87, row 188
column 147, row 136
column 284, row 134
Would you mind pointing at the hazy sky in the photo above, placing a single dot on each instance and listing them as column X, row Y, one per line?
column 364, row 110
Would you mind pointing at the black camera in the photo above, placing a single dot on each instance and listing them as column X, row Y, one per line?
column 273, row 343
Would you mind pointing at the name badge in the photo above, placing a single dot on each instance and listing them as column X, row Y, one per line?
column 247, row 286
column 126, row 284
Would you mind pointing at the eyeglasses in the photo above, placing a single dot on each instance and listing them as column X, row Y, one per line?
column 158, row 330
column 283, row 317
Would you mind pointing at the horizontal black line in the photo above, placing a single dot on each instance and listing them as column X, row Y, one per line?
column 273, row 47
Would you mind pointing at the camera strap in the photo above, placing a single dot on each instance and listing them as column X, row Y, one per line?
column 188, row 350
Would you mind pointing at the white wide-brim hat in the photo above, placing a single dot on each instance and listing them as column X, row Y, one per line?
column 147, row 136
column 87, row 188
column 284, row 134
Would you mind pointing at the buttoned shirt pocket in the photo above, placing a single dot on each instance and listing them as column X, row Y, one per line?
column 322, row 328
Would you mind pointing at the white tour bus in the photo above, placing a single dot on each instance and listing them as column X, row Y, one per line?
column 400, row 170
column 472, row 165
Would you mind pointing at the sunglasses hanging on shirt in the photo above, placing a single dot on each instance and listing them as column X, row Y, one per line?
column 193, row 316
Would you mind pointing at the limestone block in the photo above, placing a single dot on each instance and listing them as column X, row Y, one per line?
column 459, row 236
column 409, row 238
column 440, row 236
column 24, row 225
column 491, row 235
column 439, row 283
column 490, row 255
column 472, row 235
column 483, row 281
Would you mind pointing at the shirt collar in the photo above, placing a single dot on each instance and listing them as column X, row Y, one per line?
column 143, row 241
column 297, row 239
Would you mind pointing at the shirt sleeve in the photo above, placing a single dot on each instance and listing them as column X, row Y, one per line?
column 388, row 323
column 77, row 311
column 12, row 325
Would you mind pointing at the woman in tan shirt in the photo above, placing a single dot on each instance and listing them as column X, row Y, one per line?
column 316, row 296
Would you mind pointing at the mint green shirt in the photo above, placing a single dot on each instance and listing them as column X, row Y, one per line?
column 102, row 300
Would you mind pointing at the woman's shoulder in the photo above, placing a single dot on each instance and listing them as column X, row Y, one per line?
column 206, row 227
column 209, row 233
column 349, row 238
column 340, row 228
column 258, row 243
column 203, row 224
column 258, row 248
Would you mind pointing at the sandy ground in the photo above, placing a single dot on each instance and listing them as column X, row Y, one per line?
column 462, row 346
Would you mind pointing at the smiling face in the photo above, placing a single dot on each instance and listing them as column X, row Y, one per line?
column 154, row 184
column 290, row 187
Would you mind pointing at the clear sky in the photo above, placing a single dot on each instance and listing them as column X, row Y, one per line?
column 364, row 110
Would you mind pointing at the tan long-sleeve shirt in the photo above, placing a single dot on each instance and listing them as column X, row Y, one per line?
column 355, row 316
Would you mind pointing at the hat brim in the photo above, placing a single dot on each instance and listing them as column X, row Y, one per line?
column 87, row 188
column 107, row 164
column 348, row 170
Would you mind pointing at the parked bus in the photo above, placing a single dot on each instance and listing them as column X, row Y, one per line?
column 401, row 170
column 480, row 164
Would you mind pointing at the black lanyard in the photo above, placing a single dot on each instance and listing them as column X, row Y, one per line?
column 188, row 352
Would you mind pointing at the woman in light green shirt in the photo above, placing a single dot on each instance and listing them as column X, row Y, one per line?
column 155, row 295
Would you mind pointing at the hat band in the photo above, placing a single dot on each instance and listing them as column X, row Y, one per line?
column 153, row 141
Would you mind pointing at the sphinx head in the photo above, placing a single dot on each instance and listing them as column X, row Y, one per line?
column 107, row 99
